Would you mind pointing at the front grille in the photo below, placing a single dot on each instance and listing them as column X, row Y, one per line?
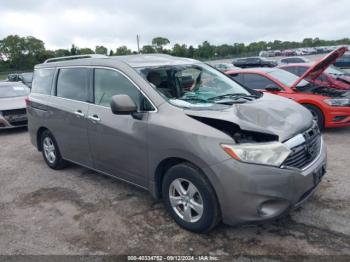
column 20, row 123
column 14, row 112
column 305, row 153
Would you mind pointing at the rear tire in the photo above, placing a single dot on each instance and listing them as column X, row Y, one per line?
column 190, row 198
column 51, row 152
column 316, row 114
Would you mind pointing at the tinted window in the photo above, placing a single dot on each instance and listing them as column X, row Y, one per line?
column 301, row 70
column 238, row 78
column 42, row 81
column 253, row 60
column 73, row 83
column 109, row 83
column 257, row 82
column 291, row 69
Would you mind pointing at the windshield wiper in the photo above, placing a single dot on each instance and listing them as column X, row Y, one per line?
column 234, row 96
column 193, row 98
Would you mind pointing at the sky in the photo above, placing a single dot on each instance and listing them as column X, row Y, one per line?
column 112, row 23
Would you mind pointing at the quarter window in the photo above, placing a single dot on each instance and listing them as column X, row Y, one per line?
column 73, row 83
column 108, row 83
column 42, row 81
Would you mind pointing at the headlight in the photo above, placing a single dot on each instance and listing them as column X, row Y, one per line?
column 337, row 101
column 272, row 153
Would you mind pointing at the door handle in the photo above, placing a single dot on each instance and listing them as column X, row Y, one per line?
column 79, row 113
column 94, row 118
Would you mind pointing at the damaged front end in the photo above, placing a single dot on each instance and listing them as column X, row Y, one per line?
column 235, row 132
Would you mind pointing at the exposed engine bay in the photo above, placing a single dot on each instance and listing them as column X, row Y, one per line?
column 324, row 91
column 234, row 131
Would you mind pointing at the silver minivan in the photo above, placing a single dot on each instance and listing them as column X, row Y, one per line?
column 212, row 149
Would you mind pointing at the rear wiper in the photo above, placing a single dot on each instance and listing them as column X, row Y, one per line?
column 234, row 96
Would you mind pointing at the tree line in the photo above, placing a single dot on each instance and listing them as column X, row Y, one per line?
column 22, row 53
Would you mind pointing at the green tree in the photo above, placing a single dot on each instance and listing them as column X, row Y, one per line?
column 61, row 52
column 86, row 51
column 123, row 50
column 191, row 52
column 180, row 50
column 100, row 49
column 74, row 50
column 148, row 49
column 22, row 52
column 159, row 43
column 205, row 50
column 111, row 53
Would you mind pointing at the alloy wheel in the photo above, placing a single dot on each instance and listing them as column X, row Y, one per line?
column 186, row 200
column 49, row 150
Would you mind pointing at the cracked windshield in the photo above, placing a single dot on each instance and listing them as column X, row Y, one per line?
column 196, row 86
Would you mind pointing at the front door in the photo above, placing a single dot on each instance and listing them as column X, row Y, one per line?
column 118, row 142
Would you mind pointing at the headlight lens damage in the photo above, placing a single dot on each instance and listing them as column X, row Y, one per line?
column 271, row 153
column 337, row 101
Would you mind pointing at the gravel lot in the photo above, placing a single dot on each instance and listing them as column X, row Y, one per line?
column 77, row 211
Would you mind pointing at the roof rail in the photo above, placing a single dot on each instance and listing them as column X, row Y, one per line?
column 63, row 58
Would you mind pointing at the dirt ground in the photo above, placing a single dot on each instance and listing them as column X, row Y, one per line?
column 77, row 211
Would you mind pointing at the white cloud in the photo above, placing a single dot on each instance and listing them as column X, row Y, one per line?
column 59, row 23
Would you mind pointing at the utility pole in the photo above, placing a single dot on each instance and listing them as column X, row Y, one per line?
column 138, row 43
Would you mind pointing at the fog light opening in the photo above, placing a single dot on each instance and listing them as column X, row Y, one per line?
column 272, row 208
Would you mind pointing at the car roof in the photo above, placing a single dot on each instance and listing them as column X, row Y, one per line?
column 142, row 60
column 297, row 64
column 254, row 70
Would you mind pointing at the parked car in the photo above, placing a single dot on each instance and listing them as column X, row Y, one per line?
column 289, row 52
column 294, row 59
column 25, row 78
column 197, row 144
column 12, row 105
column 254, row 62
column 332, row 77
column 343, row 62
column 329, row 106
column 225, row 66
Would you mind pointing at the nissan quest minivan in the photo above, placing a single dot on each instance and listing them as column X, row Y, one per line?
column 212, row 149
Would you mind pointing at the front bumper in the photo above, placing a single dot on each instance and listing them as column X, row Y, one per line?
column 7, row 124
column 252, row 193
column 335, row 113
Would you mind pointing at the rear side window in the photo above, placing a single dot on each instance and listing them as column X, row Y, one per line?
column 73, row 83
column 108, row 83
column 42, row 81
column 291, row 69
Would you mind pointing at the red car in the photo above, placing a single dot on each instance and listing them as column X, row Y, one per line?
column 329, row 106
column 331, row 77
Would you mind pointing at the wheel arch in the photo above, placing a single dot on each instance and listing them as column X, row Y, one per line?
column 38, row 137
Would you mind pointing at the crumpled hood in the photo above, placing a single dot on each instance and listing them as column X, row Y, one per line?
column 12, row 103
column 269, row 114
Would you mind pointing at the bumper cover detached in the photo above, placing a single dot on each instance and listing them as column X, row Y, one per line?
column 256, row 193
column 13, row 120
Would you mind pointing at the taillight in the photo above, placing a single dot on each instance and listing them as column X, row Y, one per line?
column 27, row 101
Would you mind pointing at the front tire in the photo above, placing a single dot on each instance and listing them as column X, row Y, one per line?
column 51, row 152
column 190, row 198
column 316, row 114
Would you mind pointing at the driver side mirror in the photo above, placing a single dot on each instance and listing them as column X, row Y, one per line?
column 123, row 105
column 272, row 88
